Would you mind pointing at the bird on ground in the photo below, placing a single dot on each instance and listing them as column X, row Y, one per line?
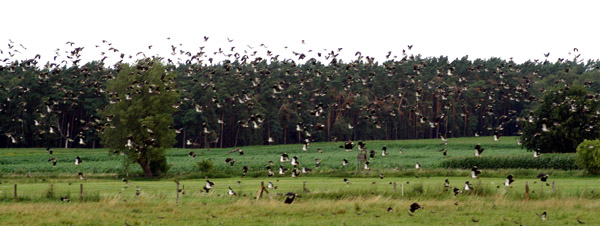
column 344, row 162
column 361, row 146
column 367, row 165
column 65, row 199
column 231, row 192
column 400, row 151
column 384, row 151
column 282, row 170
column 290, row 196
column 496, row 135
column 414, row 207
column 536, row 154
column 478, row 150
column 580, row 222
column 295, row 161
column 270, row 171
column 284, row 157
column 50, row 151
column 317, row 163
column 295, row 172
column 230, row 161
column 346, row 180
column 80, row 174
column 443, row 151
column 270, row 185
column 78, row 160
column 348, row 146
column 543, row 216
column 209, row 185
column 446, row 183
column 192, row 154
column 389, row 209
column 306, row 170
column 244, row 170
column 138, row 191
column 509, row 180
column 475, row 172
column 418, row 166
column 381, row 176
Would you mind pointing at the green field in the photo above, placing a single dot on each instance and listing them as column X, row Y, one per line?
column 327, row 200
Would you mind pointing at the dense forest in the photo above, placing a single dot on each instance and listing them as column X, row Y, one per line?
column 252, row 100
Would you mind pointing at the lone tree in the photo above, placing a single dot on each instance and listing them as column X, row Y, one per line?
column 564, row 118
column 142, row 99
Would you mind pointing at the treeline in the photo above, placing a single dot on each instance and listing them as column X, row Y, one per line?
column 260, row 101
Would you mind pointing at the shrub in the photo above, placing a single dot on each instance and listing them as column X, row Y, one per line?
column 588, row 156
column 205, row 165
column 548, row 161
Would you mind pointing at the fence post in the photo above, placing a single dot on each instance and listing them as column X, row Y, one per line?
column 16, row 193
column 527, row 190
column 553, row 186
column 177, row 197
column 402, row 189
column 395, row 189
column 81, row 191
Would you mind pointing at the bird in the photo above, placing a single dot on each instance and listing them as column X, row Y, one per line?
column 284, row 157
column 346, row 180
column 381, row 176
column 282, row 170
column 414, row 207
column 65, row 199
column 50, row 151
column 468, row 186
column 443, row 151
column 192, row 154
column 384, row 151
column 290, row 196
column 579, row 221
column 348, row 146
column 367, row 165
column 536, row 154
column 475, row 172
column 138, row 191
column 209, row 185
column 295, row 161
column 54, row 160
column 344, row 162
column 389, row 209
column 244, row 170
column 418, row 166
column 446, row 183
column 509, row 180
column 457, row 191
column 231, row 192
column 317, row 163
column 478, row 150
column 270, row 185
column 372, row 154
column 78, row 160
column 543, row 216
column 543, row 177
column 80, row 174
column 230, row 161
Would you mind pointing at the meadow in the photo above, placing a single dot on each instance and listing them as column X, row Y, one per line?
column 323, row 196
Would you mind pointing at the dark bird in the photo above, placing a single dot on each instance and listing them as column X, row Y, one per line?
column 468, row 186
column 344, row 162
column 418, row 166
column 457, row 191
column 415, row 206
column 446, row 183
column 50, row 151
column 230, row 161
column 443, row 151
column 372, row 154
column 580, row 222
column 290, row 196
column 543, row 216
column 389, row 209
column 54, row 160
column 346, row 180
column 475, row 172
column 509, row 180
column 192, row 154
column 65, row 199
column 231, row 192
column 348, row 146
column 381, row 176
column 543, row 177
column 284, row 157
column 80, row 174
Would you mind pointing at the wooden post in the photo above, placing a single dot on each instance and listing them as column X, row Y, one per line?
column 16, row 193
column 395, row 190
column 177, row 197
column 304, row 186
column 261, row 190
column 527, row 190
column 553, row 187
column 81, row 191
column 402, row 189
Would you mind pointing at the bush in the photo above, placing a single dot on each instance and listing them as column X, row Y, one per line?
column 548, row 161
column 588, row 156
column 205, row 165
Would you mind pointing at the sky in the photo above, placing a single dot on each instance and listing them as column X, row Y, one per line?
column 520, row 29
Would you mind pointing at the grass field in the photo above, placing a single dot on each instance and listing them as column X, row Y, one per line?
column 327, row 200
column 97, row 161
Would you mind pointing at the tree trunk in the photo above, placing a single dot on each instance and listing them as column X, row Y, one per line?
column 146, row 168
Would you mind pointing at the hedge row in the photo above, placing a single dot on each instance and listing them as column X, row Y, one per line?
column 547, row 161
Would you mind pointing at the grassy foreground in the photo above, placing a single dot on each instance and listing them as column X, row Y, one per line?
column 328, row 201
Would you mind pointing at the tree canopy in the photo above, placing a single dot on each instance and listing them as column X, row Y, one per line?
column 565, row 117
column 142, row 100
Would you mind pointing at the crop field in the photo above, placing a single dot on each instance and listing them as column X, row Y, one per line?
column 98, row 161
column 324, row 198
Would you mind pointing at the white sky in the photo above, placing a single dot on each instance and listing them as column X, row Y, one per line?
column 480, row 29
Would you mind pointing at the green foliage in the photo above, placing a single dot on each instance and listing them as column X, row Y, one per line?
column 205, row 165
column 588, row 156
column 547, row 161
column 143, row 100
column 565, row 117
